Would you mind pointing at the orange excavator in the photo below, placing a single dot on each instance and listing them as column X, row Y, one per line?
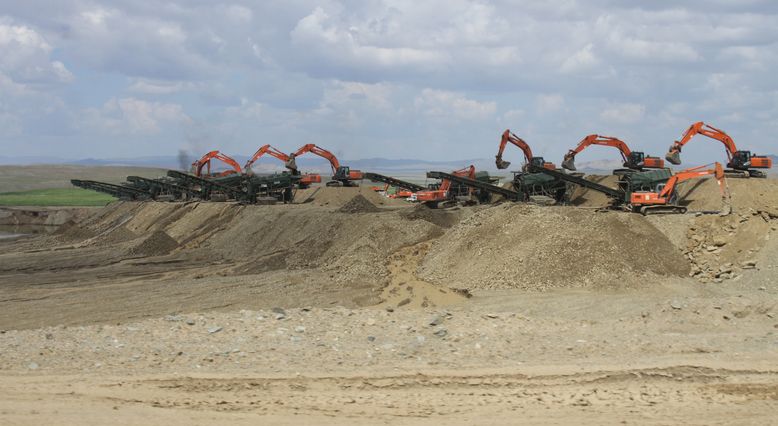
column 205, row 161
column 267, row 149
column 307, row 180
column 507, row 136
column 665, row 198
column 433, row 196
column 341, row 175
column 742, row 163
column 633, row 160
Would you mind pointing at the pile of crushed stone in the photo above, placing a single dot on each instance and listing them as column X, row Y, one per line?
column 72, row 232
column 585, row 197
column 337, row 196
column 157, row 244
column 438, row 217
column 359, row 204
column 514, row 246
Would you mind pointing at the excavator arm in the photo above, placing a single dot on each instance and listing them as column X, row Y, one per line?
column 267, row 149
column 340, row 173
column 632, row 159
column 507, row 136
column 673, row 155
column 666, row 195
column 569, row 161
column 205, row 161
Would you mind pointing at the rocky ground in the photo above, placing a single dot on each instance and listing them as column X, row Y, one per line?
column 351, row 309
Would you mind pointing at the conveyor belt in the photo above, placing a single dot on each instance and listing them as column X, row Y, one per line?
column 488, row 187
column 375, row 177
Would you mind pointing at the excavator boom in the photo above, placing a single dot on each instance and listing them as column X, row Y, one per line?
column 507, row 136
column 205, row 161
column 267, row 149
column 340, row 173
column 646, row 202
column 632, row 159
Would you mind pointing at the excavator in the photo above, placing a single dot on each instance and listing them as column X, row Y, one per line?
column 665, row 198
column 205, row 161
column 742, row 163
column 307, row 180
column 507, row 136
column 267, row 149
column 433, row 196
column 633, row 160
column 341, row 175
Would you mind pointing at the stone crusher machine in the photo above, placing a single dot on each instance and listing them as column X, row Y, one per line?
column 533, row 186
column 661, row 197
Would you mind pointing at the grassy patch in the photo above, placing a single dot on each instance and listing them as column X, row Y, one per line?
column 55, row 197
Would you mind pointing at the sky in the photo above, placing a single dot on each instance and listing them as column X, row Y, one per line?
column 434, row 80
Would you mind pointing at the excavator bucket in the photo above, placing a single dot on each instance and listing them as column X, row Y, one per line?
column 502, row 164
column 673, row 157
column 569, row 163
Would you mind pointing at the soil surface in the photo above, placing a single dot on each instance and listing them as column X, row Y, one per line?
column 351, row 308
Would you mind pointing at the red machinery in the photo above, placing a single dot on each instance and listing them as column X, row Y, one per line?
column 307, row 180
column 665, row 198
column 633, row 160
column 507, row 136
column 341, row 175
column 443, row 194
column 205, row 161
column 742, row 162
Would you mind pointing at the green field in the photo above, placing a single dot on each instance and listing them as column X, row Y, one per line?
column 55, row 197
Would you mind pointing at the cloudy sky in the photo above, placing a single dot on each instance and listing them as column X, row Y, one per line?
column 393, row 79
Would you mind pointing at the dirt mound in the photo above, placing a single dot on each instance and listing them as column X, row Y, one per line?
column 748, row 195
column 359, row 204
column 337, row 197
column 115, row 236
column 719, row 247
column 438, row 217
column 539, row 248
column 157, row 244
column 585, row 197
column 71, row 232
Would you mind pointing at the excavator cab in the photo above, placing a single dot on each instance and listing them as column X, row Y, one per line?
column 635, row 160
column 342, row 172
column 537, row 161
column 740, row 160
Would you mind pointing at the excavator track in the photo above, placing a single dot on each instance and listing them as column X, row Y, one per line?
column 661, row 209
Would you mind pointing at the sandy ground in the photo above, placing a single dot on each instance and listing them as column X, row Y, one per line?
column 316, row 313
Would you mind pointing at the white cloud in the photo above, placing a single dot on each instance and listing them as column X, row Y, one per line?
column 546, row 104
column 623, row 113
column 582, row 60
column 133, row 116
column 439, row 103
column 24, row 57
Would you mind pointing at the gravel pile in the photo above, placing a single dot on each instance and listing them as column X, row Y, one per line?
column 71, row 232
column 157, row 244
column 540, row 248
column 359, row 204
